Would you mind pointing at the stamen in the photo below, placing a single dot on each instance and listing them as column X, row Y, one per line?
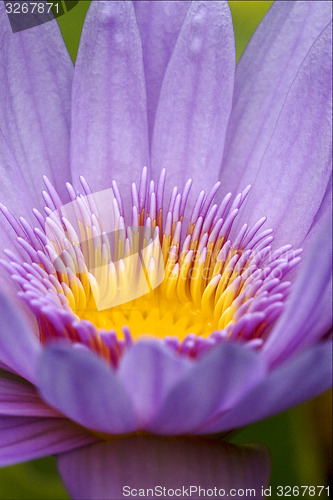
column 103, row 290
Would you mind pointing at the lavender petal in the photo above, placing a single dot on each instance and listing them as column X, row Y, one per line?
column 324, row 211
column 148, row 371
column 27, row 438
column 296, row 166
column 308, row 314
column 19, row 347
column 311, row 374
column 109, row 136
column 12, row 182
column 35, row 79
column 102, row 470
column 18, row 398
column 215, row 383
column 159, row 24
column 195, row 99
column 85, row 389
column 264, row 75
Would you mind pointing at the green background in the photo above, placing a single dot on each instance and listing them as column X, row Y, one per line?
column 299, row 439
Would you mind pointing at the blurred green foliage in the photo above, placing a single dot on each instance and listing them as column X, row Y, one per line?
column 297, row 439
column 35, row 480
column 71, row 26
column 246, row 15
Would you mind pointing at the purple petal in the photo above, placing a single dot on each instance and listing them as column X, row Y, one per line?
column 298, row 379
column 9, row 288
column 85, row 389
column 8, row 195
column 214, row 383
column 159, row 24
column 195, row 100
column 101, row 471
column 19, row 347
column 109, row 121
column 324, row 211
column 26, row 438
column 263, row 78
column 148, row 371
column 293, row 174
column 12, row 183
column 308, row 314
column 35, row 79
column 5, row 367
column 19, row 398
column 7, row 238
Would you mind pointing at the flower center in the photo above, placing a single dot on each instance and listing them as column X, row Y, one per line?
column 94, row 279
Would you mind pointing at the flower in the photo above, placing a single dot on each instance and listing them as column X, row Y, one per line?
column 155, row 85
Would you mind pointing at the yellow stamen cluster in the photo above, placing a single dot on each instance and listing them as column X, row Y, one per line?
column 153, row 277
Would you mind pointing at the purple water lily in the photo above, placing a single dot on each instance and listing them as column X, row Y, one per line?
column 238, row 329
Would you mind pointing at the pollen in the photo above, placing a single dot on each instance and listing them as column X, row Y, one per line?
column 104, row 273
